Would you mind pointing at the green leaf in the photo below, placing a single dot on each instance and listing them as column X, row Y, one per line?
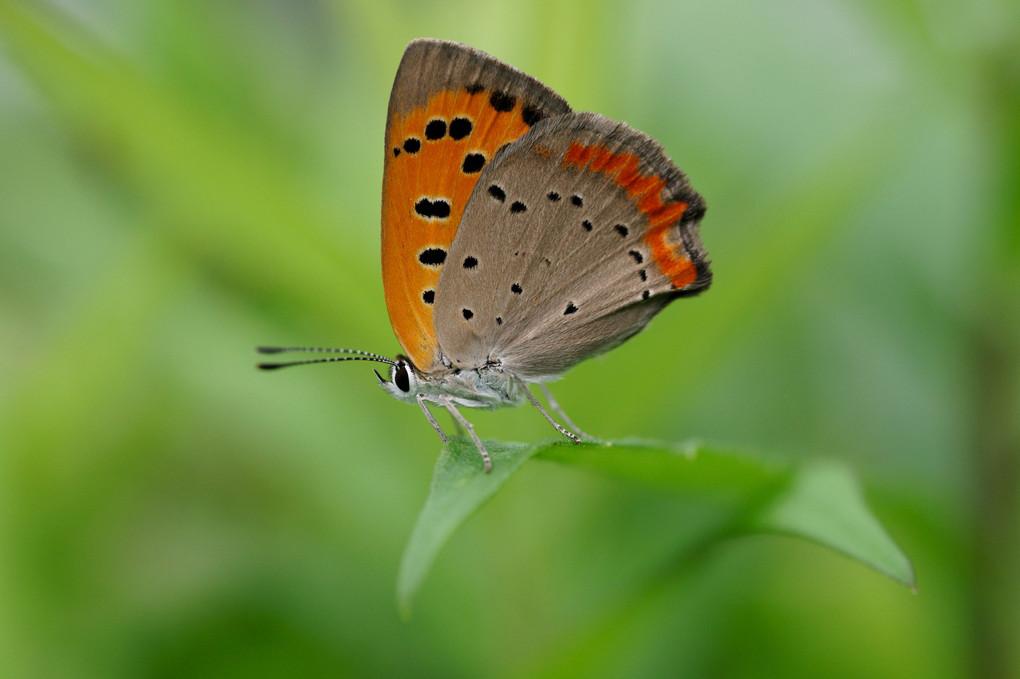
column 817, row 501
column 459, row 487
column 824, row 505
column 685, row 467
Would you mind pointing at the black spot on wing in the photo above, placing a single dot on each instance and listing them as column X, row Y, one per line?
column 412, row 144
column 576, row 200
column 435, row 129
column 497, row 193
column 432, row 256
column 441, row 209
column 429, row 296
column 460, row 128
column 553, row 196
column 587, row 225
column 432, row 209
column 475, row 88
column 502, row 102
column 396, row 151
column 570, row 309
column 531, row 115
column 622, row 230
column 516, row 289
column 473, row 162
column 517, row 206
column 470, row 262
column 424, row 207
column 638, row 257
column 468, row 314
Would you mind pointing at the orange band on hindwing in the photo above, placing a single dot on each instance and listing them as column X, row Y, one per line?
column 646, row 192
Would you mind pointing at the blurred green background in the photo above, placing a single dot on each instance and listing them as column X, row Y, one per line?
column 180, row 181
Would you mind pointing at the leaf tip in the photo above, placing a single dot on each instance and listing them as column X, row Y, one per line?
column 910, row 582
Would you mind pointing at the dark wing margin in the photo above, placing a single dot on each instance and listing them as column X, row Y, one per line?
column 596, row 130
column 429, row 65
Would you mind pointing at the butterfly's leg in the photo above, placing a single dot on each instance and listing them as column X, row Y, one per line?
column 534, row 401
column 430, row 418
column 559, row 411
column 445, row 401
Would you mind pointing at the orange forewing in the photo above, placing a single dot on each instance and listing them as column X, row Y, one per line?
column 436, row 171
column 646, row 190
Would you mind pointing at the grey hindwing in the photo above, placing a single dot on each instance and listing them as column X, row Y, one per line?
column 550, row 264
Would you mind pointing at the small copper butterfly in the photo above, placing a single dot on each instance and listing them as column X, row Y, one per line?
column 518, row 237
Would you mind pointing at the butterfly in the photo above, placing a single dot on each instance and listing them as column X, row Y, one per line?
column 518, row 237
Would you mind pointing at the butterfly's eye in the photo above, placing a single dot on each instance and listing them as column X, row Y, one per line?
column 401, row 378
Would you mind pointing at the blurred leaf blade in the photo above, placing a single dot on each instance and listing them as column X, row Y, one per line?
column 182, row 158
column 819, row 502
column 459, row 488
column 824, row 504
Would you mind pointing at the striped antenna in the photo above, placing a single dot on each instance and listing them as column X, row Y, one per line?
column 357, row 356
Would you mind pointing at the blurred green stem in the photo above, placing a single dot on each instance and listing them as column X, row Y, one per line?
column 996, row 397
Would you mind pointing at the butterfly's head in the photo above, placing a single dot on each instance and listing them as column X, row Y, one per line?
column 403, row 382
